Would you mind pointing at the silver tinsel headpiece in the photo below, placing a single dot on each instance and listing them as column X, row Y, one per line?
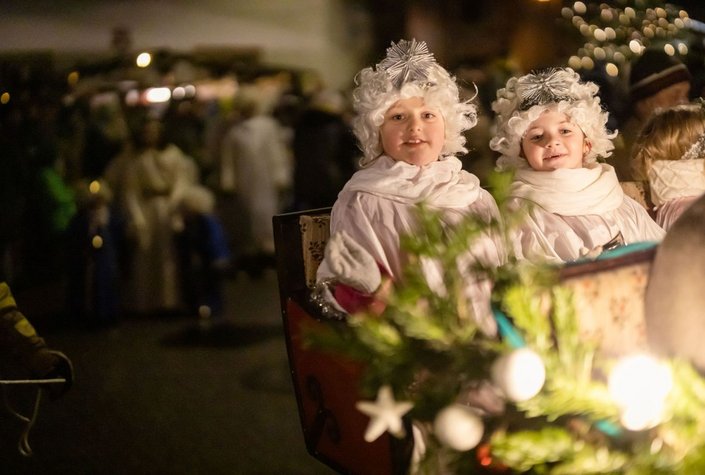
column 697, row 150
column 407, row 61
column 542, row 87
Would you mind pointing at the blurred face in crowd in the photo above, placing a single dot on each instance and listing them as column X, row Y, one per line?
column 413, row 132
column 673, row 95
column 553, row 141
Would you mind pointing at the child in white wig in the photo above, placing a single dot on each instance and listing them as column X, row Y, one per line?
column 670, row 152
column 409, row 123
column 551, row 130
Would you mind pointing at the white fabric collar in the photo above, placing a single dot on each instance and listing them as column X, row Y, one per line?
column 442, row 184
column 671, row 179
column 593, row 189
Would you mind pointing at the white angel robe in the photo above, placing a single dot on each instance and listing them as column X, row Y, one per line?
column 155, row 181
column 675, row 185
column 255, row 163
column 377, row 206
column 573, row 211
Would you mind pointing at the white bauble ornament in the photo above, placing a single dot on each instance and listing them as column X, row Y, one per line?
column 519, row 374
column 458, row 427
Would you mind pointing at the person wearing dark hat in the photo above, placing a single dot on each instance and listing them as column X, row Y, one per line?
column 656, row 81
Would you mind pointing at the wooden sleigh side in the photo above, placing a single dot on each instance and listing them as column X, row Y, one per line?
column 326, row 385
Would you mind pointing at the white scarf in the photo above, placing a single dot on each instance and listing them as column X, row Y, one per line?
column 593, row 189
column 671, row 179
column 441, row 184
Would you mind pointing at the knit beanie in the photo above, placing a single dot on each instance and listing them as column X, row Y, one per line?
column 653, row 71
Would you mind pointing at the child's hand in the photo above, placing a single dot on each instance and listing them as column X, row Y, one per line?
column 352, row 264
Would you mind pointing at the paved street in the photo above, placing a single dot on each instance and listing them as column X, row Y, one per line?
column 164, row 396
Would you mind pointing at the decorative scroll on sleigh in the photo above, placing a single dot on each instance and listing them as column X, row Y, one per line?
column 610, row 295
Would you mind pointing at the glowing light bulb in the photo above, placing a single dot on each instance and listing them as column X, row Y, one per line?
column 73, row 78
column 158, row 94
column 143, row 60
column 600, row 34
column 519, row 374
column 639, row 384
column 636, row 46
column 612, row 70
column 574, row 62
column 588, row 63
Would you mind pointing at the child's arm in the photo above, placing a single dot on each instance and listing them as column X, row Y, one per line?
column 360, row 282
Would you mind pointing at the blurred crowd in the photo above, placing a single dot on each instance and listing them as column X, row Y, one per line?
column 139, row 207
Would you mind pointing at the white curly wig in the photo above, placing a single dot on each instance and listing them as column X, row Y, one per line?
column 409, row 70
column 524, row 99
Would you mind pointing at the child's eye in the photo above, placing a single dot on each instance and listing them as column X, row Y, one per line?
column 535, row 137
column 566, row 131
column 428, row 115
column 396, row 117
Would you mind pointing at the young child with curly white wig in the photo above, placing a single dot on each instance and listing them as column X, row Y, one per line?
column 409, row 123
column 670, row 153
column 550, row 128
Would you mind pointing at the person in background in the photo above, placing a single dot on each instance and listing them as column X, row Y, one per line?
column 94, row 239
column 324, row 151
column 656, row 80
column 106, row 133
column 156, row 177
column 204, row 254
column 670, row 153
column 550, row 130
column 255, row 165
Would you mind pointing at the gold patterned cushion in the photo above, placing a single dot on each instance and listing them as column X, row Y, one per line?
column 315, row 231
column 610, row 306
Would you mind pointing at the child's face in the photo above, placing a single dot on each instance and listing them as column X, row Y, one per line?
column 412, row 132
column 553, row 141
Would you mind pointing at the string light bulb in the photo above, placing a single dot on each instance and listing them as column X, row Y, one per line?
column 628, row 30
column 519, row 374
column 640, row 384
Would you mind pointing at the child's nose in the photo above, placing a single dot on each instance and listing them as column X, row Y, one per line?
column 552, row 141
column 415, row 123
